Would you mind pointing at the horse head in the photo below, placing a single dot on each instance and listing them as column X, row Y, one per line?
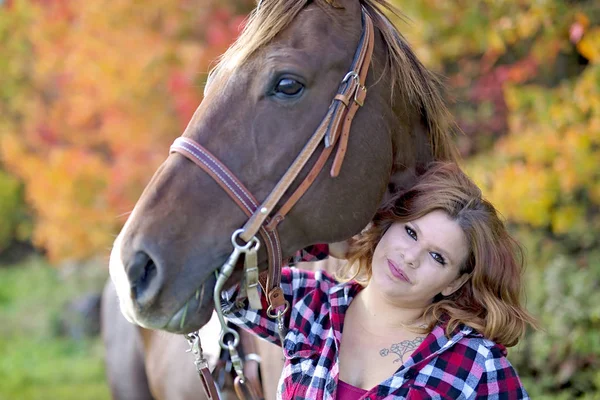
column 263, row 102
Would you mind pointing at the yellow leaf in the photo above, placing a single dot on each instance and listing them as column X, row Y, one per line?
column 589, row 45
column 495, row 42
column 565, row 218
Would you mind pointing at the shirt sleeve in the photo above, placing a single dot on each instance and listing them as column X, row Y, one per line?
column 316, row 252
column 500, row 379
column 295, row 283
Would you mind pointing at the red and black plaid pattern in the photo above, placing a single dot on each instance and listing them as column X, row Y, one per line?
column 465, row 366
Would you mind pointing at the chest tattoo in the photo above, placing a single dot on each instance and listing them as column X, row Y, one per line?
column 402, row 348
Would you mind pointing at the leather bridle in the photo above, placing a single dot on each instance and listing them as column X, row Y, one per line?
column 333, row 130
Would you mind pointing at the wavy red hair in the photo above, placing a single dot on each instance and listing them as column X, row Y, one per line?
column 490, row 300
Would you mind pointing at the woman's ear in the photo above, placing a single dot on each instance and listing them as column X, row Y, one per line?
column 455, row 285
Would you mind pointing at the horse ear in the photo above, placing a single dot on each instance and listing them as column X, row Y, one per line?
column 400, row 180
column 411, row 162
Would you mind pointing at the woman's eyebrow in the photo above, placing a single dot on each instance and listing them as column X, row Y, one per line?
column 435, row 248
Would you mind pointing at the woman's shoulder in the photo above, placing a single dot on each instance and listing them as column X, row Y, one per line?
column 478, row 357
column 466, row 341
column 497, row 376
column 479, row 366
column 483, row 349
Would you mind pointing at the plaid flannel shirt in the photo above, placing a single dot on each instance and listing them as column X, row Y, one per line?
column 464, row 366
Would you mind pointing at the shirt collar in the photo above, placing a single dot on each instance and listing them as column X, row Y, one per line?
column 340, row 297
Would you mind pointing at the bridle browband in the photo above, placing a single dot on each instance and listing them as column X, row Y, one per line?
column 333, row 130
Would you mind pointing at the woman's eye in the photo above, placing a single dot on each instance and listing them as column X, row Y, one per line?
column 288, row 87
column 411, row 232
column 438, row 258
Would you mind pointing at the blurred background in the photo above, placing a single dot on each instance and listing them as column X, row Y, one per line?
column 93, row 92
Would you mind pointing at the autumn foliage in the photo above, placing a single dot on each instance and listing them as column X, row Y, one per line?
column 525, row 77
column 93, row 92
column 96, row 92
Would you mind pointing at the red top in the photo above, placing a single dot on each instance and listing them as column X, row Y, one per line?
column 346, row 391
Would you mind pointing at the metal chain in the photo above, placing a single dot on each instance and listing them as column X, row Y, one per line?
column 250, row 248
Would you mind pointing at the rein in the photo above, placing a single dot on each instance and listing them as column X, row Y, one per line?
column 333, row 129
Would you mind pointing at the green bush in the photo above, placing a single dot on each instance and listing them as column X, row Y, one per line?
column 37, row 363
column 12, row 211
column 526, row 77
column 33, row 368
column 562, row 292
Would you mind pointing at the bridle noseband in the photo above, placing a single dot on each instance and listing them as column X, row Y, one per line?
column 333, row 129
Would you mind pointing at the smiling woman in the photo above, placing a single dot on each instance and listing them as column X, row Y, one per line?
column 435, row 280
column 449, row 226
column 426, row 253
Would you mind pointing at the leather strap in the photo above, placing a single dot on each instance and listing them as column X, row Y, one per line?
column 208, row 383
column 352, row 97
column 335, row 125
column 288, row 178
column 353, row 85
column 244, row 391
column 200, row 156
column 312, row 175
column 359, row 94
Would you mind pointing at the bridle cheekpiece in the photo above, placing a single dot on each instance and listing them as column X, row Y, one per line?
column 333, row 130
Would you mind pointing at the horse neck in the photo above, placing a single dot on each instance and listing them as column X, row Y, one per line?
column 419, row 122
column 411, row 144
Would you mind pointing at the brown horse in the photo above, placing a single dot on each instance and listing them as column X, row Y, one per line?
column 266, row 97
column 144, row 364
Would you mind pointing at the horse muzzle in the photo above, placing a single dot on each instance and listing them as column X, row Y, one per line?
column 146, row 301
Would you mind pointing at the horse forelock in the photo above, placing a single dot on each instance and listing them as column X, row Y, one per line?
column 265, row 22
column 410, row 80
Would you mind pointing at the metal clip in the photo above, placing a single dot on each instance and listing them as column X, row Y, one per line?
column 224, row 274
column 236, row 360
column 281, row 330
column 196, row 349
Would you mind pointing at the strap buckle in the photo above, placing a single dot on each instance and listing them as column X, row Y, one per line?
column 360, row 91
column 352, row 74
column 360, row 94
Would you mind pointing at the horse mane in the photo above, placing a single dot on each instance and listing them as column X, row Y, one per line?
column 422, row 88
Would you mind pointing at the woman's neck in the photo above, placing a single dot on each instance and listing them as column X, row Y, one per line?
column 381, row 314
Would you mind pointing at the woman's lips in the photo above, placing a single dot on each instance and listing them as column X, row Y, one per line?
column 397, row 271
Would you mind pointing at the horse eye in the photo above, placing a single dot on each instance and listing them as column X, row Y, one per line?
column 288, row 87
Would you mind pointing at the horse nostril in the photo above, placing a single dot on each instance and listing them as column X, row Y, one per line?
column 142, row 274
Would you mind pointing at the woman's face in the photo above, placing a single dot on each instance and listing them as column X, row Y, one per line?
column 415, row 261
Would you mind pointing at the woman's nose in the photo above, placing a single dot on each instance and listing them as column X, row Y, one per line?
column 411, row 257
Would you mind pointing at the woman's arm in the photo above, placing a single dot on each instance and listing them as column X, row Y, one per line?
column 316, row 252
column 295, row 284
